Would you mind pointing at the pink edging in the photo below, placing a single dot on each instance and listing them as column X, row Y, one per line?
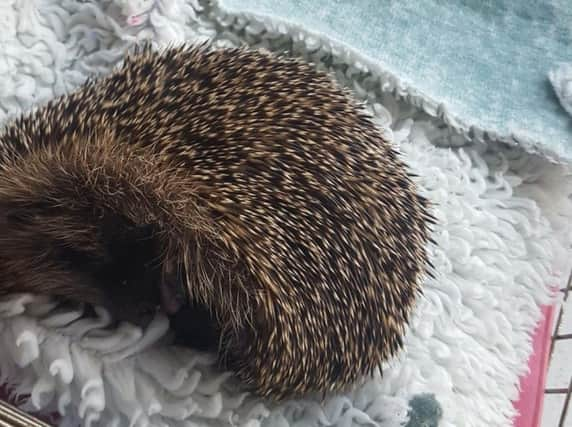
column 531, row 399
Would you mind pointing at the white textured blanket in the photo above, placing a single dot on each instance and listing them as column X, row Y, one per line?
column 503, row 216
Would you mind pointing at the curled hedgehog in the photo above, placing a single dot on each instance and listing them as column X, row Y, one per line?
column 246, row 194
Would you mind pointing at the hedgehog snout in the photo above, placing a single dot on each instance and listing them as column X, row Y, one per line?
column 136, row 284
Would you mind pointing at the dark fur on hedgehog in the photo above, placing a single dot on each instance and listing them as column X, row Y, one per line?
column 246, row 192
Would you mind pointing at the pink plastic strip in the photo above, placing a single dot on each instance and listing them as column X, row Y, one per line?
column 529, row 405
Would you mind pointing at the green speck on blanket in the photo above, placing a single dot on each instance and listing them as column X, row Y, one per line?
column 424, row 411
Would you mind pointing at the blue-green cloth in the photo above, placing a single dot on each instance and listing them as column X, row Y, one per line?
column 486, row 61
column 424, row 411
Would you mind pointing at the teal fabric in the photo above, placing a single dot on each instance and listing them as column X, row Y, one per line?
column 561, row 79
column 424, row 411
column 487, row 61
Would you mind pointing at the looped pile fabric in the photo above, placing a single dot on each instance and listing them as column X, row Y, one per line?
column 503, row 222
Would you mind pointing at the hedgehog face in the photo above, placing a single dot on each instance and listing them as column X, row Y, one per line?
column 68, row 254
column 104, row 261
column 100, row 235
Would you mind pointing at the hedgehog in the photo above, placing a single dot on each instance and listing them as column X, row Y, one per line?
column 244, row 193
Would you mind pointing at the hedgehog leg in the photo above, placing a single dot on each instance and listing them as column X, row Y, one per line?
column 171, row 289
column 193, row 324
column 195, row 327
